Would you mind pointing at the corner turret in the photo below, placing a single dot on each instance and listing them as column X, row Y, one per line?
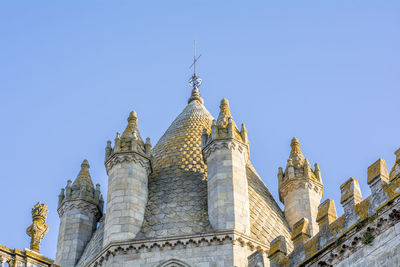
column 226, row 152
column 128, row 166
column 300, row 188
column 80, row 206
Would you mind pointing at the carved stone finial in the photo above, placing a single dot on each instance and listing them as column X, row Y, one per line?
column 195, row 96
column 295, row 144
column 132, row 117
column 37, row 229
column 295, row 153
column 224, row 113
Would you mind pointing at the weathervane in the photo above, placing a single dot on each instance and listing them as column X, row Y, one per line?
column 195, row 81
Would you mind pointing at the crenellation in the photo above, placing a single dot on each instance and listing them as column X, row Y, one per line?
column 326, row 213
column 365, row 225
column 350, row 196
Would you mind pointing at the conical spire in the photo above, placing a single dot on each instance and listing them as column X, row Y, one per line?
column 84, row 176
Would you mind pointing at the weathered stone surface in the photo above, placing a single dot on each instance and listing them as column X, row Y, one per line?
column 93, row 247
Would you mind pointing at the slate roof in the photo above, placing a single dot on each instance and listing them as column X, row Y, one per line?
column 267, row 220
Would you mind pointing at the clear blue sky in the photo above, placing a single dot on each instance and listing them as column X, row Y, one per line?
column 70, row 72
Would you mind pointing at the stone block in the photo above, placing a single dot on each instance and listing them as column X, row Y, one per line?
column 326, row 213
column 378, row 170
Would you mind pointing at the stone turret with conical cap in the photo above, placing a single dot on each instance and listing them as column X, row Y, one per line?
column 128, row 166
column 226, row 152
column 300, row 188
column 80, row 206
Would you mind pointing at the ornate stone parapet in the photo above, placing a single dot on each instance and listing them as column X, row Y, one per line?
column 22, row 258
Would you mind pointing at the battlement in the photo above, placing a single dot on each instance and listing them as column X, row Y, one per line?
column 361, row 223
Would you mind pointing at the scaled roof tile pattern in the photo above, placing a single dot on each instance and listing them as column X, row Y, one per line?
column 267, row 220
column 177, row 203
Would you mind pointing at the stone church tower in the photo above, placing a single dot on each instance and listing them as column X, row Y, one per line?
column 195, row 199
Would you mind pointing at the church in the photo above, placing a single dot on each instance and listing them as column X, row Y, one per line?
column 195, row 199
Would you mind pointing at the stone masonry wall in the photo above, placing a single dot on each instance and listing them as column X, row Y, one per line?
column 126, row 198
column 302, row 203
column 228, row 200
column 77, row 224
column 384, row 251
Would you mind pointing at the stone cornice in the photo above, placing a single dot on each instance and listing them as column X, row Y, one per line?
column 219, row 238
column 129, row 156
column 293, row 184
column 226, row 143
column 81, row 205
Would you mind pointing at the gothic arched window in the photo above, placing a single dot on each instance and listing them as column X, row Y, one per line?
column 173, row 263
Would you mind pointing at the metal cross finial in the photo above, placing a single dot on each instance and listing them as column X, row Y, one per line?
column 194, row 58
column 195, row 81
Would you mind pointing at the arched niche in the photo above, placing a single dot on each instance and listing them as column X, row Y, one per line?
column 173, row 263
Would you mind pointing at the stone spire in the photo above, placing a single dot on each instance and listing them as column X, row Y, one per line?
column 83, row 177
column 82, row 189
